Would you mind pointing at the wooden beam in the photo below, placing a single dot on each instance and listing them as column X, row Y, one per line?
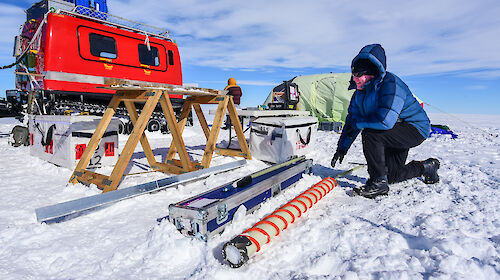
column 135, row 95
column 132, row 85
column 139, row 99
column 193, row 165
column 201, row 118
column 29, row 74
column 205, row 99
column 132, row 141
column 96, row 137
column 90, row 177
column 214, row 133
column 232, row 153
column 168, row 168
column 166, row 106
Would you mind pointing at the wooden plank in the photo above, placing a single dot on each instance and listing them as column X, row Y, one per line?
column 193, row 165
column 124, row 82
column 29, row 74
column 168, row 111
column 132, row 112
column 90, row 177
column 205, row 99
column 186, row 108
column 132, row 141
column 129, row 85
column 135, row 95
column 168, row 168
column 201, row 118
column 231, row 153
column 237, row 128
column 139, row 99
column 96, row 137
column 214, row 133
column 195, row 91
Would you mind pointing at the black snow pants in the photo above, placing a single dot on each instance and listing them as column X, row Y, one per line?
column 386, row 152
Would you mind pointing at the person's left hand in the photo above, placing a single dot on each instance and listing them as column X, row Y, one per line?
column 338, row 156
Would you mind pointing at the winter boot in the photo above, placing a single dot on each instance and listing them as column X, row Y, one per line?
column 373, row 187
column 431, row 166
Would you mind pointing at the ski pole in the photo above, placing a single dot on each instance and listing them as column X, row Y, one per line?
column 342, row 174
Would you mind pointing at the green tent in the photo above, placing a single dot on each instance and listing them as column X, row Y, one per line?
column 324, row 95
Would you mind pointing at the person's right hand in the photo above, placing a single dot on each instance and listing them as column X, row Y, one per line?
column 338, row 156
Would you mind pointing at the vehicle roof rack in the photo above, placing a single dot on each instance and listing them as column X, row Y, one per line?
column 109, row 19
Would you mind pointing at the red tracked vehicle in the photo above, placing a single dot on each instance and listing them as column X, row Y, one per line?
column 66, row 52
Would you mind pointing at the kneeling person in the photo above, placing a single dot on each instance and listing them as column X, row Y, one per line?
column 391, row 120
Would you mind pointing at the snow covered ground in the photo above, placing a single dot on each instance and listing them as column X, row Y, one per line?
column 450, row 230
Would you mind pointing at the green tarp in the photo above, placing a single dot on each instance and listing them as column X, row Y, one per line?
column 324, row 95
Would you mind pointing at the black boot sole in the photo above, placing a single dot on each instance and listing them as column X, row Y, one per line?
column 430, row 181
column 370, row 195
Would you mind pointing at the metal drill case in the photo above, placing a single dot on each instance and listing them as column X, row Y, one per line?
column 207, row 214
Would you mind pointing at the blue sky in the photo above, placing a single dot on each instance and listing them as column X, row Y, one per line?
column 446, row 51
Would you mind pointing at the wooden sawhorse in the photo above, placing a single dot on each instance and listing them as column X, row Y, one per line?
column 151, row 97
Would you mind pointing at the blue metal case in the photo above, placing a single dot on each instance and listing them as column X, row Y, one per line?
column 207, row 214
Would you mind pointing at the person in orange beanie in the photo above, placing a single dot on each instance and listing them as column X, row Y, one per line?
column 234, row 91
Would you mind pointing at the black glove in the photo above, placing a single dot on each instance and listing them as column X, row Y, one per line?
column 339, row 155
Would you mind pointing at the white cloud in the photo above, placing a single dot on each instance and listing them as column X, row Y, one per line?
column 483, row 75
column 420, row 37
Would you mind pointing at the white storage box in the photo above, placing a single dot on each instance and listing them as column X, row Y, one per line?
column 277, row 139
column 61, row 140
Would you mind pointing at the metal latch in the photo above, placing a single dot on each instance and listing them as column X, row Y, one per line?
column 309, row 166
column 275, row 189
column 222, row 213
column 184, row 226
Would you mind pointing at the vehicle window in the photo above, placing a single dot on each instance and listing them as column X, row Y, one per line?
column 102, row 46
column 170, row 57
column 148, row 57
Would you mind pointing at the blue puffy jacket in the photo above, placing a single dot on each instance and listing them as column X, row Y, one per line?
column 381, row 103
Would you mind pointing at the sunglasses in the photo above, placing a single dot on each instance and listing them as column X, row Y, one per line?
column 359, row 74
